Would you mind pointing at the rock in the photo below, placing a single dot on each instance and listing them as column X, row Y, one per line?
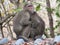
column 37, row 41
column 19, row 41
column 57, row 39
column 4, row 41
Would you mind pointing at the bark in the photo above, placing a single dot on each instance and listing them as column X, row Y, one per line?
column 50, row 18
column 1, row 25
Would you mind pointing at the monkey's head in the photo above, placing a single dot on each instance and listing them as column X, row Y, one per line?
column 29, row 7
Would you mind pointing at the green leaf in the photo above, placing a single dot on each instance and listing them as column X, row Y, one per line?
column 1, row 1
column 52, row 9
column 38, row 7
column 17, row 10
column 58, row 1
column 58, row 24
column 47, row 29
column 23, row 1
column 57, row 14
column 59, row 5
column 49, row 9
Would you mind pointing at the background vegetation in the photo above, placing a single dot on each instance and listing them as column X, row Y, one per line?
column 47, row 10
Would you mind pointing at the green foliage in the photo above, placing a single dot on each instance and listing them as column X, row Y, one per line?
column 57, row 10
column 58, row 1
column 50, row 9
column 57, row 14
column 23, row 1
column 18, row 9
column 47, row 29
column 38, row 7
column 58, row 24
column 2, row 1
column 59, row 5
column 58, row 34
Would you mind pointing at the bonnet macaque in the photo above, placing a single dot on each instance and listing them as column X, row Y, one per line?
column 27, row 24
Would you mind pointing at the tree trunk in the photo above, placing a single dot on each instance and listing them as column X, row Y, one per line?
column 1, row 25
column 50, row 18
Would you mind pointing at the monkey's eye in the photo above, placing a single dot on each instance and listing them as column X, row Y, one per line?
column 30, row 6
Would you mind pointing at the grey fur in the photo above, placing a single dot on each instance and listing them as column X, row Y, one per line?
column 28, row 24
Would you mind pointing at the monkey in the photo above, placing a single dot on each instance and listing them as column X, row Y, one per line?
column 20, row 21
column 27, row 24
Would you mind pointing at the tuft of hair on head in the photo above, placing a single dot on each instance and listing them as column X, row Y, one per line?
column 27, row 3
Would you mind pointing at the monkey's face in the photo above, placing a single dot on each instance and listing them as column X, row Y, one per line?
column 30, row 8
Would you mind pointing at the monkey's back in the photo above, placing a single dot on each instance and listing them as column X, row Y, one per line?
column 21, row 17
column 18, row 21
column 39, row 23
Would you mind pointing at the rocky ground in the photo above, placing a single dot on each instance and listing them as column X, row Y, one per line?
column 7, row 34
column 47, row 41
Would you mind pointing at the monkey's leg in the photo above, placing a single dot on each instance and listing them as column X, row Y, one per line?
column 38, row 37
column 17, row 33
column 29, row 32
column 25, row 34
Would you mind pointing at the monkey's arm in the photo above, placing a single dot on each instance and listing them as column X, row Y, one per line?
column 24, row 22
column 25, row 19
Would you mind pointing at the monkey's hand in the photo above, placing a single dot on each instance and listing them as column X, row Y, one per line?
column 34, row 24
column 25, row 22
